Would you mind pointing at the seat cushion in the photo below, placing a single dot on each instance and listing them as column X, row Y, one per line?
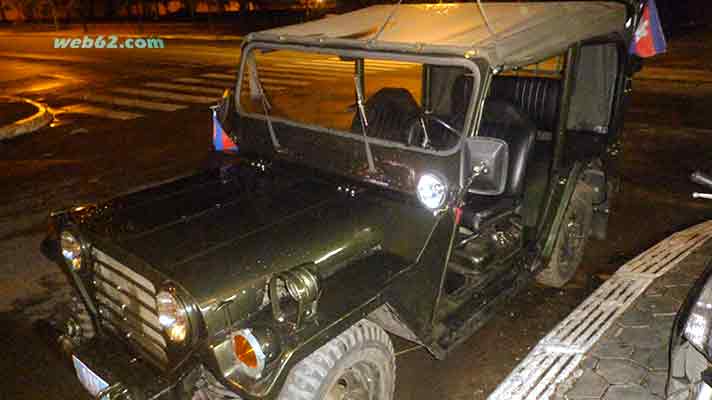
column 502, row 120
column 538, row 98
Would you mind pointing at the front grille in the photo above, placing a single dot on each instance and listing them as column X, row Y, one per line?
column 127, row 305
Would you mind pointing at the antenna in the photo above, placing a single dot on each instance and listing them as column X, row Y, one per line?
column 388, row 19
column 484, row 16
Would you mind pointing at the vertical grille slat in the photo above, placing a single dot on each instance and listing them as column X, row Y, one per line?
column 127, row 304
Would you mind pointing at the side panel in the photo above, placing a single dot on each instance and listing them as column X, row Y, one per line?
column 415, row 296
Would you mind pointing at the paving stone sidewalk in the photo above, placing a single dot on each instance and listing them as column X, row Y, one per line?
column 630, row 361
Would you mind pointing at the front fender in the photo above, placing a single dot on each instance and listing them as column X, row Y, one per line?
column 348, row 296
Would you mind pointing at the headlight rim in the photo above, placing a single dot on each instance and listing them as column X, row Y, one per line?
column 181, row 306
column 84, row 249
column 445, row 190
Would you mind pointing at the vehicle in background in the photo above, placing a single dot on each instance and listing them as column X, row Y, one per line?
column 690, row 369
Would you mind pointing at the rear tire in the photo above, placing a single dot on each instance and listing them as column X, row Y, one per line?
column 357, row 364
column 570, row 240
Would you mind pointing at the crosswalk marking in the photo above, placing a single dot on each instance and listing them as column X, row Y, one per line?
column 322, row 75
column 263, row 79
column 212, row 82
column 276, row 74
column 347, row 66
column 220, row 76
column 281, row 81
column 97, row 111
column 383, row 63
column 316, row 68
column 186, row 88
column 125, row 101
column 189, row 98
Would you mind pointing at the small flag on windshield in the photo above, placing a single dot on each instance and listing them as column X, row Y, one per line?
column 649, row 38
column 221, row 141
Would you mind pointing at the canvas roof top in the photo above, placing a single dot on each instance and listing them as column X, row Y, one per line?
column 522, row 33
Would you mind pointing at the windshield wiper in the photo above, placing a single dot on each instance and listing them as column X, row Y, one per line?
column 364, row 123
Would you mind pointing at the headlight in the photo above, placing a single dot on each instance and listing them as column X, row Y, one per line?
column 697, row 326
column 432, row 191
column 172, row 316
column 71, row 250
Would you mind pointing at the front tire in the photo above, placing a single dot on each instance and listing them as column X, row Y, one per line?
column 570, row 239
column 357, row 364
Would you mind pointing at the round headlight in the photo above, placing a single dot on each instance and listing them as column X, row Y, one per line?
column 432, row 191
column 172, row 316
column 71, row 250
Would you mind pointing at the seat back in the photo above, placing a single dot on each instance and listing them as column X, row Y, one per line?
column 538, row 98
column 502, row 120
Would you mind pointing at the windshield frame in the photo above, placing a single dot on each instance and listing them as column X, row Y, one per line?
column 440, row 60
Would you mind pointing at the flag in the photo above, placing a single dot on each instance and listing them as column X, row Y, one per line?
column 649, row 38
column 221, row 141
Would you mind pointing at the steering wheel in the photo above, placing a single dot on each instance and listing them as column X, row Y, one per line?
column 422, row 122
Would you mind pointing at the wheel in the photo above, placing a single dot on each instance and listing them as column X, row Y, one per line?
column 359, row 364
column 570, row 240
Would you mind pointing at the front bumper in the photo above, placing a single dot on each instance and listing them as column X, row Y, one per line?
column 134, row 379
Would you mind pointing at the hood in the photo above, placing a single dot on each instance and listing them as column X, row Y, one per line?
column 221, row 234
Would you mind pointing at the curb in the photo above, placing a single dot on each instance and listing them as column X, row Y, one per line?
column 30, row 124
column 558, row 355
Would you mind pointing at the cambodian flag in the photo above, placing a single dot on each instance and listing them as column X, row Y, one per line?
column 221, row 141
column 649, row 38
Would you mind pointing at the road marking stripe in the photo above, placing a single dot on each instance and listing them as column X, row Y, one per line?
column 346, row 66
column 209, row 82
column 263, row 79
column 283, row 82
column 330, row 75
column 230, row 77
column 390, row 64
column 294, row 66
column 187, row 88
column 318, row 68
column 98, row 111
column 166, row 95
column 382, row 63
column 128, row 102
column 222, row 84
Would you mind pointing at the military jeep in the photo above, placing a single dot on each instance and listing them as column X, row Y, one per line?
column 443, row 157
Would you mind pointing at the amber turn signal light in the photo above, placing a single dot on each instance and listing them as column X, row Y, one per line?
column 244, row 351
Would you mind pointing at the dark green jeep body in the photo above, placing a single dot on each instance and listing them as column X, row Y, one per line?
column 310, row 229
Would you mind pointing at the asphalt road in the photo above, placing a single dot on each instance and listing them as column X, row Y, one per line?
column 97, row 149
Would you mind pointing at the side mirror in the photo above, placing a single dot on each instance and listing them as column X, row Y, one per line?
column 487, row 160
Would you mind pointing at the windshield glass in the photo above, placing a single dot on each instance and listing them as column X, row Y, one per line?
column 370, row 111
